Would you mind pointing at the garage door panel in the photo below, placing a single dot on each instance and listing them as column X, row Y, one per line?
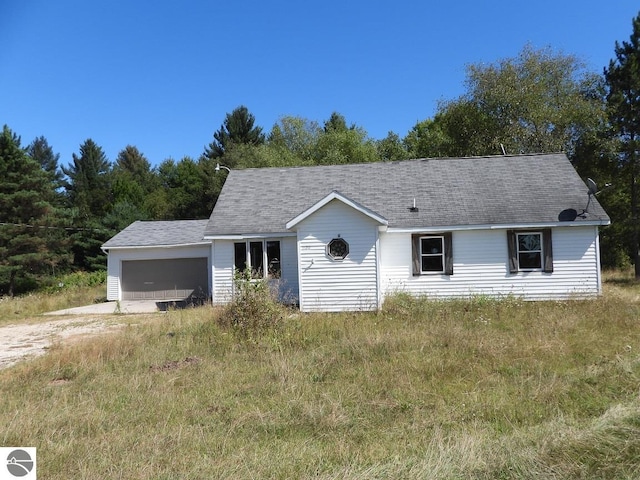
column 167, row 279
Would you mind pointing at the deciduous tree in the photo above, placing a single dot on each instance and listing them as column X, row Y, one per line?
column 391, row 148
column 183, row 192
column 341, row 144
column 297, row 137
column 540, row 101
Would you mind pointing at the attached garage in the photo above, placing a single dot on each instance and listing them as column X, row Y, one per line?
column 169, row 279
column 163, row 261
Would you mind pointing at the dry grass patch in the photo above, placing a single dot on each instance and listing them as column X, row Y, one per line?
column 29, row 308
column 458, row 389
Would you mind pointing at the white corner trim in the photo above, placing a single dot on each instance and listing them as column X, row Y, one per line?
column 334, row 195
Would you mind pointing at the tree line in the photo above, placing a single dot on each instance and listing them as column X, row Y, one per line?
column 54, row 218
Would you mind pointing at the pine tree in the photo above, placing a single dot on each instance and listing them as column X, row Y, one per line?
column 88, row 187
column 32, row 241
column 133, row 162
column 238, row 128
column 623, row 101
column 40, row 151
column 132, row 182
column 89, row 195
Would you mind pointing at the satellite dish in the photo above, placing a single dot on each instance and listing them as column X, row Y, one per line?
column 593, row 188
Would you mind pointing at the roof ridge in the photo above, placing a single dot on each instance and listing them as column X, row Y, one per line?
column 406, row 160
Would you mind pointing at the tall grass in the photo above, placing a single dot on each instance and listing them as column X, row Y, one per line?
column 72, row 290
column 477, row 389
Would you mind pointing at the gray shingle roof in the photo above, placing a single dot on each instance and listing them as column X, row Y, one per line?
column 502, row 190
column 163, row 233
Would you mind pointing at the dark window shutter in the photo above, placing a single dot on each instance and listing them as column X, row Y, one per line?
column 415, row 254
column 547, row 250
column 513, row 251
column 448, row 253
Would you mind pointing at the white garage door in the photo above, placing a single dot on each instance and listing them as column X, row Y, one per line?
column 173, row 279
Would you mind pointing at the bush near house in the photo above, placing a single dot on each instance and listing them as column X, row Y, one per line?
column 254, row 309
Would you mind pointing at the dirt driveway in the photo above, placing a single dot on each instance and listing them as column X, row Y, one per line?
column 18, row 342
column 25, row 340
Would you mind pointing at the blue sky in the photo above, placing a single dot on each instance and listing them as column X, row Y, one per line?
column 161, row 75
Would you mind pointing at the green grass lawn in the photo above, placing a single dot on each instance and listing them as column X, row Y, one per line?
column 479, row 389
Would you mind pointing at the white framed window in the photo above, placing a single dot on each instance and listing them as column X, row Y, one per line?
column 530, row 251
column 432, row 254
column 529, row 248
column 256, row 255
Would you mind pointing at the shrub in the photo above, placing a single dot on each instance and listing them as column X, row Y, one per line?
column 254, row 308
column 76, row 280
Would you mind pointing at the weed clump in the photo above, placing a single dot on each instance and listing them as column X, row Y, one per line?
column 254, row 310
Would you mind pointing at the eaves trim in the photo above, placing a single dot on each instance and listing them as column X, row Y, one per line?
column 138, row 247
column 504, row 226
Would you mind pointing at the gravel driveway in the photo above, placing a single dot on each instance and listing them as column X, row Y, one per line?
column 18, row 342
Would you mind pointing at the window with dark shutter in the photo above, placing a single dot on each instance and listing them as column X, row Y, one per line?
column 415, row 254
column 513, row 251
column 448, row 253
column 547, row 249
column 432, row 254
column 530, row 251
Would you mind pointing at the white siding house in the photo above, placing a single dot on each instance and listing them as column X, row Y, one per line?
column 224, row 268
column 481, row 267
column 337, row 284
column 344, row 237
column 164, row 261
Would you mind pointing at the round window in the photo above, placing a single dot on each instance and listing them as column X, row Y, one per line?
column 338, row 249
